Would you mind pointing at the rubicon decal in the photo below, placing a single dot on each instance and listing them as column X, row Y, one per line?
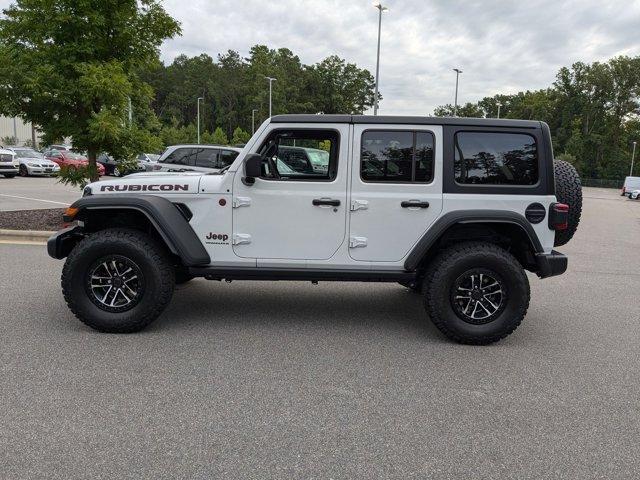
column 145, row 188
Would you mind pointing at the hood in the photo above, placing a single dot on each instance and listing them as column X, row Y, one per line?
column 153, row 184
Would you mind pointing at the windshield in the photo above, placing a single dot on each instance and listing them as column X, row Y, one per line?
column 153, row 157
column 27, row 153
column 74, row 155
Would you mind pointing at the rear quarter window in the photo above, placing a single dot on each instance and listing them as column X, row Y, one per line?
column 495, row 158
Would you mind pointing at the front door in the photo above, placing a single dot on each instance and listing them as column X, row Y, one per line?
column 297, row 209
column 396, row 189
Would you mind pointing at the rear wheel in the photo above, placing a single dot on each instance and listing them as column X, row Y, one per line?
column 476, row 293
column 117, row 280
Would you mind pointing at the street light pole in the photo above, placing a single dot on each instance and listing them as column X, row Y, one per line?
column 199, row 98
column 253, row 120
column 381, row 9
column 455, row 103
column 633, row 156
column 499, row 105
column 271, row 80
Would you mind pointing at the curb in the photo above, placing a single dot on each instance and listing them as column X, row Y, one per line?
column 39, row 236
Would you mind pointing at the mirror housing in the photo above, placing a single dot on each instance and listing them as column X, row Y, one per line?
column 252, row 168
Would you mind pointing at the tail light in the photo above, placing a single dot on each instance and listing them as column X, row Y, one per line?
column 558, row 216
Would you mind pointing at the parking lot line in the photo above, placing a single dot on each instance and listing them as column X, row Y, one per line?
column 22, row 242
column 34, row 199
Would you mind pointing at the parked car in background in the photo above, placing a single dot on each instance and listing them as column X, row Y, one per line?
column 145, row 161
column 33, row 163
column 630, row 184
column 635, row 195
column 199, row 158
column 8, row 163
column 59, row 146
column 67, row 158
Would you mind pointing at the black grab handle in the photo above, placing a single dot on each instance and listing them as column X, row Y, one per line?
column 414, row 204
column 326, row 201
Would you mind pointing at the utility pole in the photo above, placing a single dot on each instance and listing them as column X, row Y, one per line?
column 271, row 80
column 455, row 104
column 381, row 9
column 499, row 105
column 199, row 98
column 253, row 120
column 633, row 156
column 130, row 113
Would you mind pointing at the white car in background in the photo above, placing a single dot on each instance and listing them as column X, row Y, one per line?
column 8, row 163
column 34, row 163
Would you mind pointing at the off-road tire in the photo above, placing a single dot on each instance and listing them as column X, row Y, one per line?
column 455, row 261
column 569, row 191
column 148, row 255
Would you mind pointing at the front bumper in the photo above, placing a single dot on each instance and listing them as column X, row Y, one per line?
column 551, row 264
column 43, row 170
column 60, row 243
column 8, row 168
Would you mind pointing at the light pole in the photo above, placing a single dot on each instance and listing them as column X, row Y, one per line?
column 499, row 105
column 253, row 120
column 455, row 103
column 633, row 156
column 199, row 98
column 381, row 9
column 271, row 80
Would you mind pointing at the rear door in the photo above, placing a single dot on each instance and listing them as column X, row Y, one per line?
column 396, row 189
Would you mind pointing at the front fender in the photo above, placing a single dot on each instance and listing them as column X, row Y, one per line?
column 169, row 222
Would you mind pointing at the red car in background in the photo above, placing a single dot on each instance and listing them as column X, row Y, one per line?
column 67, row 158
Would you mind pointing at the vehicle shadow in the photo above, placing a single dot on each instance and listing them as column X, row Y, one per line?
column 213, row 305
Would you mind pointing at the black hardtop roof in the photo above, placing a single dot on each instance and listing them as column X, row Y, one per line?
column 406, row 120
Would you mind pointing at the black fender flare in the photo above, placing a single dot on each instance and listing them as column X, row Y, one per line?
column 167, row 219
column 467, row 216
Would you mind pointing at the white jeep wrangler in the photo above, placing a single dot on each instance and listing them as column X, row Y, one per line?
column 454, row 208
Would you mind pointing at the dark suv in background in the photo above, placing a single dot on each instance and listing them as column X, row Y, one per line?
column 200, row 158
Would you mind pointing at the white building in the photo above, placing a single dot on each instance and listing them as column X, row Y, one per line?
column 16, row 127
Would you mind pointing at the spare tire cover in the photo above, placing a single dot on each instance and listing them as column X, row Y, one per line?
column 569, row 191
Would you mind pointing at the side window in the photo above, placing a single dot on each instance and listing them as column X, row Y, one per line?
column 301, row 155
column 207, row 157
column 181, row 156
column 226, row 158
column 396, row 156
column 487, row 158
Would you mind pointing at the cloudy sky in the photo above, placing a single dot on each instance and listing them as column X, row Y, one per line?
column 502, row 46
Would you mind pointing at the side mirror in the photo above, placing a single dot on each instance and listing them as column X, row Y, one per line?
column 252, row 168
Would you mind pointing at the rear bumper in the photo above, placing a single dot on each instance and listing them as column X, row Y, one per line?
column 551, row 264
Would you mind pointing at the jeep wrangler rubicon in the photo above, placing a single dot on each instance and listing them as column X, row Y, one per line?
column 454, row 208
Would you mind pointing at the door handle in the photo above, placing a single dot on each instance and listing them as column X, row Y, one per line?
column 332, row 202
column 414, row 204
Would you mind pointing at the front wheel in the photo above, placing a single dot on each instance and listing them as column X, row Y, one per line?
column 9, row 175
column 477, row 293
column 24, row 172
column 118, row 280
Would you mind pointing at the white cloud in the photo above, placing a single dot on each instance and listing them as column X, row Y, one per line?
column 502, row 46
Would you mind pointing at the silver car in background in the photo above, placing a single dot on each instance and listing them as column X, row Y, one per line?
column 33, row 163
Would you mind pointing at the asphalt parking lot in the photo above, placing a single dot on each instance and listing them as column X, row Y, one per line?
column 30, row 193
column 292, row 380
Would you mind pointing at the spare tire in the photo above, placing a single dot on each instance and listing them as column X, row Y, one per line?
column 569, row 191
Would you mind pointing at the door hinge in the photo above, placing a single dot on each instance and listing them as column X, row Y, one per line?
column 359, row 205
column 357, row 242
column 241, row 202
column 241, row 238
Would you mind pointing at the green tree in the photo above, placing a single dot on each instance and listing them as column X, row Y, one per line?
column 240, row 136
column 219, row 137
column 71, row 67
